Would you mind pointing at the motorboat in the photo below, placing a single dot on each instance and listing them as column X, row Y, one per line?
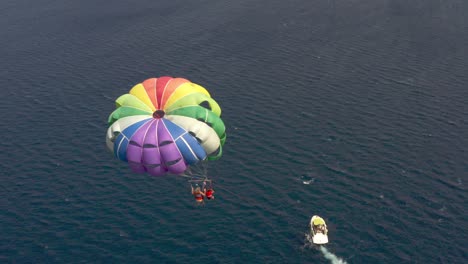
column 318, row 229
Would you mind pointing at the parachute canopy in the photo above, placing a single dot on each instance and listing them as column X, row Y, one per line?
column 164, row 125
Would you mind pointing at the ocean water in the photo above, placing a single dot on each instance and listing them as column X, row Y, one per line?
column 352, row 110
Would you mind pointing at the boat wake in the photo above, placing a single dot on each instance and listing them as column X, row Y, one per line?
column 331, row 257
column 334, row 259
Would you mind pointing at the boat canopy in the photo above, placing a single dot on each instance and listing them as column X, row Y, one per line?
column 319, row 221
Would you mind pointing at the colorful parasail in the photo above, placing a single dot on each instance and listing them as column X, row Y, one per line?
column 164, row 125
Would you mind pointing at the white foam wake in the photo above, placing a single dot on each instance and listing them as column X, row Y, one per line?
column 332, row 257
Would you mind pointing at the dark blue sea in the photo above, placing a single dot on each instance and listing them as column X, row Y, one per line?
column 353, row 110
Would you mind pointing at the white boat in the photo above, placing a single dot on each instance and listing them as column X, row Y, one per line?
column 318, row 229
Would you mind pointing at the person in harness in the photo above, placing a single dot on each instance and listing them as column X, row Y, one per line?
column 198, row 194
column 209, row 193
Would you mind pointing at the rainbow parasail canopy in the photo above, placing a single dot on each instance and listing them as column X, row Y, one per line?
column 164, row 125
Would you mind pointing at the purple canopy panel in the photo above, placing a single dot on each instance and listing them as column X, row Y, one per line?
column 173, row 159
column 135, row 149
column 170, row 154
column 156, row 171
column 151, row 153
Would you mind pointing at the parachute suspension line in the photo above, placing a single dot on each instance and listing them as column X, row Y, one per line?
column 196, row 178
column 187, row 173
column 197, row 172
column 200, row 169
column 185, row 176
column 197, row 175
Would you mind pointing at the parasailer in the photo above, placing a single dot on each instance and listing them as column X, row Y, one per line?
column 165, row 126
column 209, row 192
column 198, row 194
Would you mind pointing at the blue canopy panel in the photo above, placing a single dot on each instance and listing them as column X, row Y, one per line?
column 121, row 143
column 188, row 146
